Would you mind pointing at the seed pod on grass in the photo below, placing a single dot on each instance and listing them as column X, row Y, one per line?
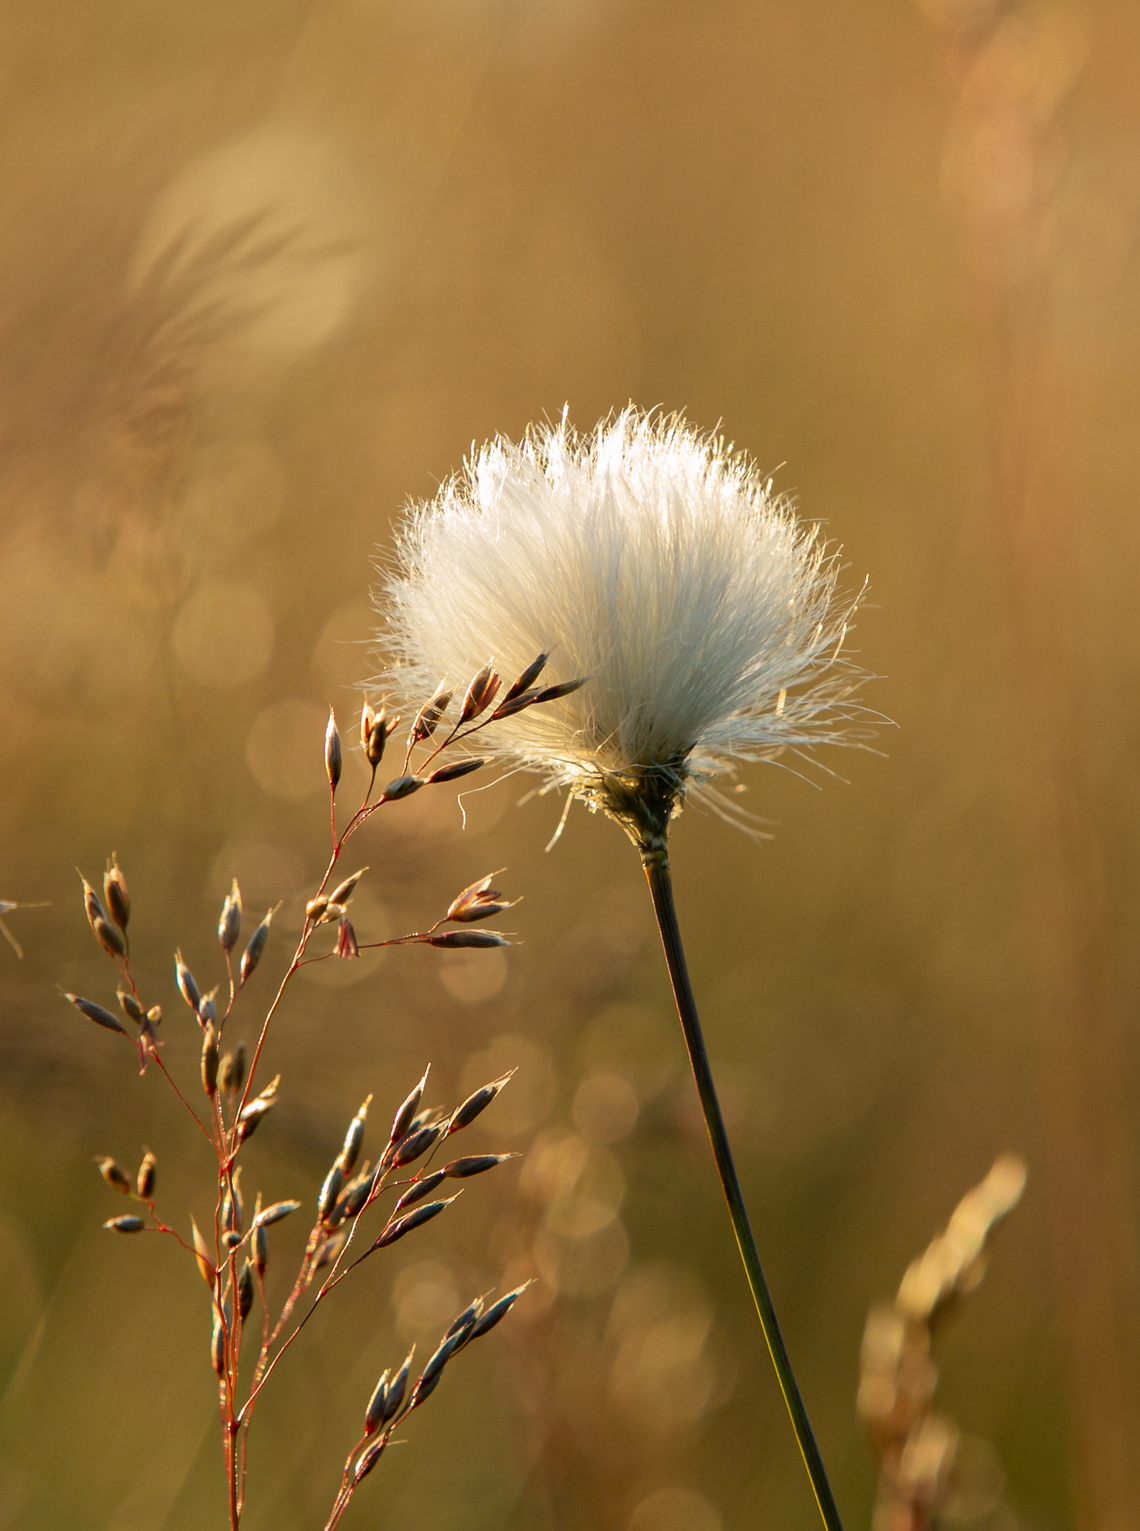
column 210, row 1060
column 253, row 952
column 354, row 1138
column 147, row 1176
column 478, row 902
column 92, row 908
column 328, row 1251
column 396, row 1390
column 232, row 1205
column 208, row 1007
column 419, row 1189
column 347, row 946
column 344, row 891
column 262, row 1102
column 528, row 677
column 258, row 1241
column 131, row 1007
column 497, row 1312
column 114, row 1174
column 326, row 1201
column 115, row 893
column 403, row 786
column 378, row 737
column 218, row 1343
column 274, row 1214
column 353, row 1197
column 462, row 1326
column 427, row 719
column 564, row 688
column 252, row 1116
column 477, row 1103
column 332, row 751
column 367, row 1460
column 515, row 704
column 184, row 978
column 109, row 938
column 455, row 770
column 474, row 1164
column 231, row 1070
column 202, row 1255
column 229, row 923
column 415, row 1144
column 245, row 1290
column 536, row 696
column 374, row 1413
column 404, row 1117
column 125, row 1224
column 230, row 1239
column 480, row 693
column 412, row 1220
column 453, row 939
column 96, row 1013
column 259, row 1250
column 426, row 1384
column 376, row 728
column 107, row 935
column 428, row 1380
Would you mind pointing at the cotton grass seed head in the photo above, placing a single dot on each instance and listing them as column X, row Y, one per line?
column 652, row 559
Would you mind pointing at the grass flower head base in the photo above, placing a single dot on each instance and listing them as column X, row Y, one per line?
column 654, row 564
column 651, row 559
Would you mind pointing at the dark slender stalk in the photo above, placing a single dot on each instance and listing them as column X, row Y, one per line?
column 657, row 874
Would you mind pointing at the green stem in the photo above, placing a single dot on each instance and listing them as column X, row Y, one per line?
column 657, row 874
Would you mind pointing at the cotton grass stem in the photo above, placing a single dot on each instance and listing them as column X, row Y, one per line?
column 656, row 864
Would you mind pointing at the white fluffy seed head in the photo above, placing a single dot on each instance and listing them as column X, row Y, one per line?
column 650, row 558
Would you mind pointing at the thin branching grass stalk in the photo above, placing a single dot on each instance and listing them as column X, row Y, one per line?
column 232, row 1254
column 6, row 907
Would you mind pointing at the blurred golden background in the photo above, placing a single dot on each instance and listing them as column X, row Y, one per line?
column 269, row 269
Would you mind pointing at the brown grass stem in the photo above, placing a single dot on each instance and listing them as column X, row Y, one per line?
column 331, row 1281
column 656, row 864
column 170, row 1081
column 234, row 1113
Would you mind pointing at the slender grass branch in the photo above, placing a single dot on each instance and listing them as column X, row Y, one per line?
column 656, row 864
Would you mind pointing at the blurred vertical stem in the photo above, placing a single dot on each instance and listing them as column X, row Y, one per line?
column 1037, row 422
column 1038, row 292
column 656, row 863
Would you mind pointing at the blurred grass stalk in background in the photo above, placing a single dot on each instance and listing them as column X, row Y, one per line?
column 1036, row 260
column 929, row 1471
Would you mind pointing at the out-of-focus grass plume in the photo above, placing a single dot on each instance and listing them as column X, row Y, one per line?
column 930, row 1473
column 265, row 272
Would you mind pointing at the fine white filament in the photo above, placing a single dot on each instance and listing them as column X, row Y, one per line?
column 653, row 560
